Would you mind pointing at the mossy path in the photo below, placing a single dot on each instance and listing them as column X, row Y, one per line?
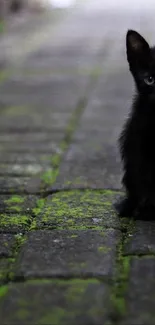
column 65, row 256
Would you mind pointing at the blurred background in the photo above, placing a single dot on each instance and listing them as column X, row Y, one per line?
column 64, row 60
column 8, row 6
column 16, row 14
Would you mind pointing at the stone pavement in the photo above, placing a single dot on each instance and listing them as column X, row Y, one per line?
column 65, row 256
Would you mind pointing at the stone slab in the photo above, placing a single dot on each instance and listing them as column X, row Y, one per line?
column 7, row 242
column 140, row 293
column 59, row 93
column 142, row 240
column 93, row 156
column 68, row 254
column 70, row 302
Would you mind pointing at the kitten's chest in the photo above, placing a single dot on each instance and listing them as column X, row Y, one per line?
column 140, row 135
column 145, row 133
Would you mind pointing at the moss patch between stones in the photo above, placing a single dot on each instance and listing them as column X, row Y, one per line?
column 14, row 203
column 39, row 207
column 49, row 177
column 3, row 291
column 15, row 199
column 13, row 222
column 77, row 209
column 121, row 278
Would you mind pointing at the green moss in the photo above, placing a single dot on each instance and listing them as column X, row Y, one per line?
column 78, row 180
column 75, row 292
column 120, row 288
column 77, row 209
column 33, row 225
column 49, row 176
column 67, row 183
column 127, row 226
column 64, row 282
column 22, row 314
column 83, row 264
column 3, row 291
column 15, row 203
column 96, row 72
column 74, row 266
column 73, row 236
column 4, row 74
column 16, row 208
column 15, row 199
column 14, row 220
column 56, row 160
column 122, row 275
column 126, row 267
column 16, row 110
column 4, row 266
column 104, row 249
column 102, row 233
column 75, row 297
column 3, row 276
column 2, row 26
column 40, row 281
column 11, row 276
column 20, row 240
column 54, row 317
column 39, row 206
column 45, row 158
column 11, row 259
column 118, row 300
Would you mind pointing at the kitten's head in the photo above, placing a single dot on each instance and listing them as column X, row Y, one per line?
column 141, row 58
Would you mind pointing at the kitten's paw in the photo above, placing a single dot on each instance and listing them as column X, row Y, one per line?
column 124, row 207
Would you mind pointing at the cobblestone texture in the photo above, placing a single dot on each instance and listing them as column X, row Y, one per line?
column 65, row 90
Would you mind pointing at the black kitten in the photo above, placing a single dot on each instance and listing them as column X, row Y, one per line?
column 137, row 140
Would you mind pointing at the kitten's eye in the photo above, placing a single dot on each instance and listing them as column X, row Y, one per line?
column 149, row 80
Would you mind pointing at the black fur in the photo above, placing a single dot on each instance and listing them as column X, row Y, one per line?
column 137, row 140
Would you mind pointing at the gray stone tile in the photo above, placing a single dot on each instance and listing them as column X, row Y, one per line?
column 7, row 242
column 141, row 292
column 10, row 185
column 93, row 156
column 86, row 166
column 58, row 94
column 23, row 158
column 68, row 254
column 142, row 240
column 70, row 302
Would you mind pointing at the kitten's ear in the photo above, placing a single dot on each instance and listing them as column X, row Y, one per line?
column 137, row 47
